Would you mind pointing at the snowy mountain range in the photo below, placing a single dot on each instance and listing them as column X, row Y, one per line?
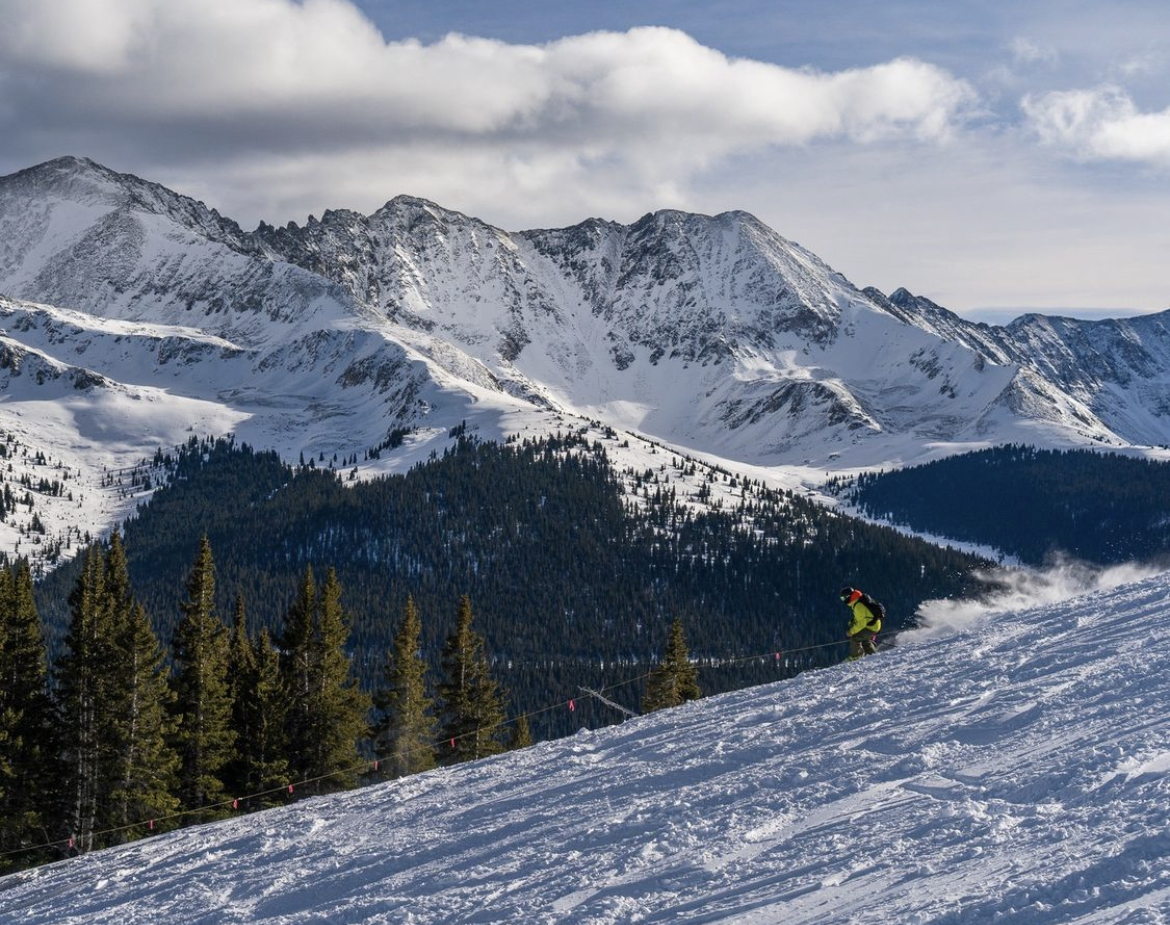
column 133, row 317
column 1006, row 764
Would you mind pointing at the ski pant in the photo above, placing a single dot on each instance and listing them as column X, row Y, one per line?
column 862, row 644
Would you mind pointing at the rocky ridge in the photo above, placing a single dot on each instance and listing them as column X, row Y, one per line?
column 711, row 334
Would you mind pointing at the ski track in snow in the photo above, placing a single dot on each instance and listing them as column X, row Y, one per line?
column 1014, row 773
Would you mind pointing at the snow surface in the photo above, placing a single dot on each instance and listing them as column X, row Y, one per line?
column 1000, row 766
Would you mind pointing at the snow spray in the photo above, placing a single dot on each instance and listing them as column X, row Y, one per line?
column 1016, row 588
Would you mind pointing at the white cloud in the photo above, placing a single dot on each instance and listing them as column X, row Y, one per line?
column 1149, row 62
column 1029, row 53
column 238, row 83
column 274, row 109
column 1101, row 124
column 93, row 38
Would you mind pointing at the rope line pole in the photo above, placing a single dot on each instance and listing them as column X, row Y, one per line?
column 609, row 703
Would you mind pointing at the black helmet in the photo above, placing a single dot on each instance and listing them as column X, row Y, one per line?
column 846, row 593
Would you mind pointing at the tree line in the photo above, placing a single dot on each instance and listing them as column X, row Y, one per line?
column 1031, row 503
column 123, row 737
column 576, row 569
column 583, row 578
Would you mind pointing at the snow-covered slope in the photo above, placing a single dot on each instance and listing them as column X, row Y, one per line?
column 1017, row 771
column 1119, row 369
column 713, row 333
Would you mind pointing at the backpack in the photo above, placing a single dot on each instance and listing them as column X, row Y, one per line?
column 875, row 607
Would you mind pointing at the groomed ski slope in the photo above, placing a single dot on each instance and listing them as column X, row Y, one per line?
column 1017, row 771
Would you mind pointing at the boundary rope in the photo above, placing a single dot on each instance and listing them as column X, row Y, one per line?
column 371, row 764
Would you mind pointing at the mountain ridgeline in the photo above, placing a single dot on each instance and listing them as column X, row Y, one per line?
column 574, row 582
column 716, row 333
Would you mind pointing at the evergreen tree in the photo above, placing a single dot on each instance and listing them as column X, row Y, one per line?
column 258, row 712
column 241, row 689
column 406, row 733
column 144, row 780
column 338, row 707
column 204, row 738
column 143, row 763
column 9, row 712
column 473, row 707
column 297, row 643
column 86, row 700
column 327, row 710
column 266, row 750
column 675, row 679
column 521, row 736
column 28, row 760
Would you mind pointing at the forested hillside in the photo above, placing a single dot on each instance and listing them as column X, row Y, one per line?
column 569, row 587
column 1031, row 503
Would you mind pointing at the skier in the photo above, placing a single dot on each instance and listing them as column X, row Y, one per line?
column 865, row 623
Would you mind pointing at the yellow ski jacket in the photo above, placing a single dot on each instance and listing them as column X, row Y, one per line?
column 862, row 617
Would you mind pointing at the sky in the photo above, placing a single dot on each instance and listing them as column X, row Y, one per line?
column 993, row 156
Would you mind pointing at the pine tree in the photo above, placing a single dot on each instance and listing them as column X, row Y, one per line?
column 86, row 700
column 266, row 751
column 204, row 738
column 142, row 761
column 675, row 679
column 473, row 707
column 241, row 688
column 327, row 710
column 144, row 779
column 28, row 754
column 9, row 712
column 521, row 736
column 339, row 708
column 405, row 738
column 258, row 713
column 297, row 643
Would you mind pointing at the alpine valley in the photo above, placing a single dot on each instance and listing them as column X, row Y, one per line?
column 134, row 318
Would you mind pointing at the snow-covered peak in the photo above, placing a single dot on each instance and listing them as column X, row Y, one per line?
column 1116, row 369
column 80, row 181
column 76, row 178
column 713, row 334
column 79, row 236
column 411, row 207
column 1015, row 771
